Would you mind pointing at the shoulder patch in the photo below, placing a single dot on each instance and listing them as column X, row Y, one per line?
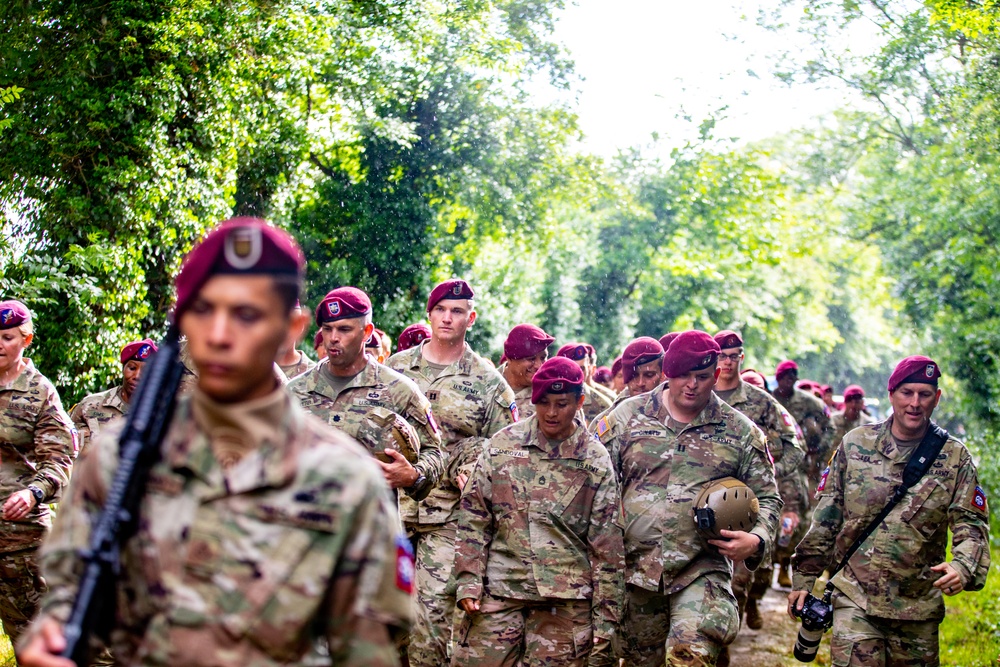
column 405, row 568
column 979, row 500
column 430, row 421
column 822, row 480
column 604, row 426
column 513, row 411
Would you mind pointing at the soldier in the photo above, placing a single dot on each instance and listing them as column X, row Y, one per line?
column 351, row 391
column 589, row 371
column 810, row 414
column 373, row 347
column 263, row 531
column 98, row 410
column 666, row 339
column 852, row 416
column 594, row 402
column 617, row 379
column 826, row 395
column 642, row 369
column 318, row 346
column 554, row 573
column 525, row 350
column 291, row 359
column 472, row 401
column 602, row 376
column 37, row 446
column 413, row 335
column 753, row 377
column 665, row 446
column 785, row 443
column 888, row 602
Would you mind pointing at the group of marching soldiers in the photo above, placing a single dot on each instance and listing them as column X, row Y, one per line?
column 430, row 508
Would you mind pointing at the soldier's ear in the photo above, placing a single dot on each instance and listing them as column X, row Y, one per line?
column 472, row 317
column 30, row 337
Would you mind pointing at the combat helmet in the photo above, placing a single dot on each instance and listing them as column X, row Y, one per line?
column 383, row 429
column 725, row 504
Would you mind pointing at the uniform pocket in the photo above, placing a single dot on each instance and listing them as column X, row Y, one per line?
column 720, row 619
column 927, row 508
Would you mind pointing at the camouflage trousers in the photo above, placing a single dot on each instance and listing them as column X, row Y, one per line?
column 861, row 640
column 688, row 627
column 21, row 590
column 749, row 584
column 430, row 636
column 507, row 632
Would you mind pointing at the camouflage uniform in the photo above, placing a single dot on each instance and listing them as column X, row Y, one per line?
column 680, row 608
column 540, row 522
column 841, row 426
column 250, row 562
column 601, row 389
column 299, row 367
column 594, row 403
column 96, row 411
column 472, row 402
column 376, row 386
column 37, row 446
column 525, row 408
column 784, row 440
column 812, row 415
column 885, row 595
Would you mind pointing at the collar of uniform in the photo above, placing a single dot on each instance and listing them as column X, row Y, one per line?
column 115, row 400
column 462, row 366
column 710, row 414
column 24, row 380
column 367, row 377
column 740, row 395
column 886, row 444
column 573, row 447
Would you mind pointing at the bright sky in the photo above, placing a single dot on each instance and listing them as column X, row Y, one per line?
column 644, row 63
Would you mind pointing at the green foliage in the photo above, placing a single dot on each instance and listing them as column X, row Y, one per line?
column 8, row 95
column 976, row 617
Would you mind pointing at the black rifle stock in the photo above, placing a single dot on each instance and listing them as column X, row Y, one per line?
column 138, row 450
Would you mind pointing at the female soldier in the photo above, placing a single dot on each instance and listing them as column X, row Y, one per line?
column 540, row 556
column 37, row 446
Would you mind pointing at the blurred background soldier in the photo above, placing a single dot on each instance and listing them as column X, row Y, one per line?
column 888, row 600
column 617, row 379
column 852, row 416
column 603, row 377
column 594, row 401
column 37, row 446
column 291, row 359
column 810, row 414
column 413, row 335
column 525, row 350
column 642, row 369
column 96, row 411
column 540, row 556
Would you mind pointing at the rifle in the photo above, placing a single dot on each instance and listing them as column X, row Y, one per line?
column 138, row 450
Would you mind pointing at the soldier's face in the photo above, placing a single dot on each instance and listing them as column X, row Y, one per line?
column 691, row 391
column 450, row 319
column 913, row 404
column 618, row 381
column 787, row 381
column 12, row 344
column 852, row 407
column 234, row 328
column 131, row 373
column 555, row 414
column 344, row 341
column 646, row 378
column 729, row 363
column 522, row 370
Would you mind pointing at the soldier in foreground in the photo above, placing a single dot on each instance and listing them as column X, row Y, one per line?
column 352, row 392
column 888, row 601
column 472, row 401
column 263, row 532
column 525, row 350
column 97, row 411
column 665, row 446
column 540, row 557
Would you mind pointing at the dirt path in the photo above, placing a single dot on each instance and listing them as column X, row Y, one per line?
column 771, row 646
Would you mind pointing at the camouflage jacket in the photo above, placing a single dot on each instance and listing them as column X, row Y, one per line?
column 594, row 403
column 784, row 440
column 92, row 414
column 299, row 367
column 619, row 399
column 889, row 576
column 661, row 473
column 541, row 520
column 37, row 446
column 471, row 402
column 376, row 386
column 604, row 391
column 841, row 427
column 251, row 565
column 525, row 408
column 812, row 415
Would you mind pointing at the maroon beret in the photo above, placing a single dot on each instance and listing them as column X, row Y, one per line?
column 728, row 339
column 374, row 341
column 341, row 304
column 825, row 388
column 602, row 374
column 318, row 339
column 574, row 351
column 413, row 335
column 616, row 367
column 690, row 351
column 139, row 350
column 641, row 351
column 852, row 391
column 526, row 340
column 750, row 376
column 237, row 246
column 557, row 375
column 784, row 367
column 456, row 288
column 666, row 339
column 13, row 313
column 917, row 368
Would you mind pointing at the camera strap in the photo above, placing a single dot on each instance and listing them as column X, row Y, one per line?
column 920, row 462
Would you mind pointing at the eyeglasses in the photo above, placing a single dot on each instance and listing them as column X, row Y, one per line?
column 730, row 357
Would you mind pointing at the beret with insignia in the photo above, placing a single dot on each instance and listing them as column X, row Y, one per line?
column 616, row 367
column 853, row 391
column 690, row 351
column 642, row 350
column 456, row 288
column 666, row 339
column 786, row 366
column 557, row 375
column 574, row 351
column 341, row 304
column 140, row 350
column 728, row 339
column 602, row 374
column 13, row 313
column 413, row 335
column 917, row 368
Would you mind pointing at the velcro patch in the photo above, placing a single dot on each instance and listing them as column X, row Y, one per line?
column 513, row 411
column 405, row 569
column 431, row 422
column 822, row 480
column 516, row 453
column 979, row 500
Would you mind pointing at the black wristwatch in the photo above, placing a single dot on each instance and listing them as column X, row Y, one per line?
column 419, row 489
column 37, row 493
column 760, row 547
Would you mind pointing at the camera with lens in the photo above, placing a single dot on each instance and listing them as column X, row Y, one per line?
column 817, row 618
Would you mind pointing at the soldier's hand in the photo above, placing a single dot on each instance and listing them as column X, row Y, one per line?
column 18, row 505
column 469, row 605
column 399, row 473
column 461, row 479
column 795, row 601
column 738, row 545
column 44, row 646
column 951, row 582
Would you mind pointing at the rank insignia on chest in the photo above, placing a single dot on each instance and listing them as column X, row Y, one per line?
column 432, row 396
column 405, row 569
column 979, row 499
